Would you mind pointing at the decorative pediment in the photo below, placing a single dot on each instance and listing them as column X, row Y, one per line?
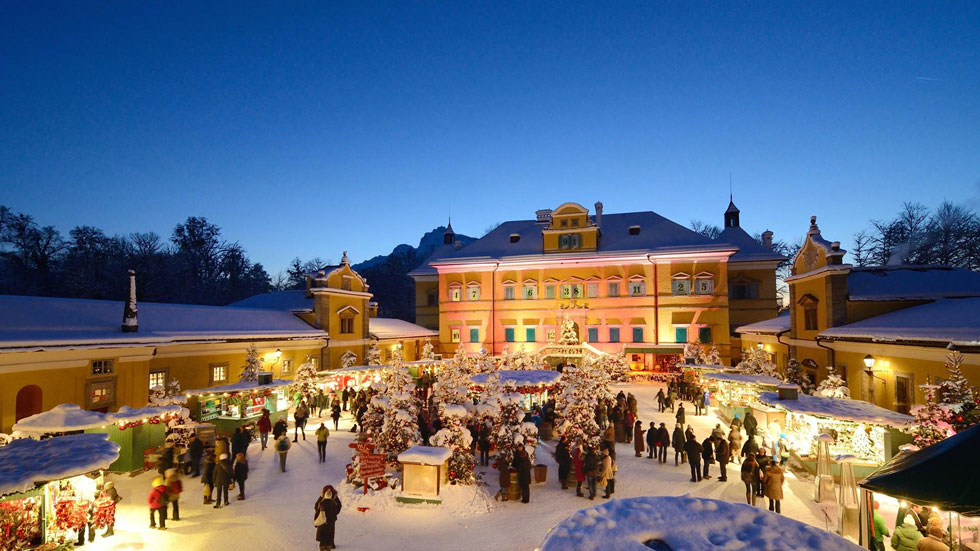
column 508, row 282
column 348, row 310
column 551, row 280
column 681, row 275
column 614, row 278
column 637, row 277
column 592, row 278
column 704, row 275
column 472, row 283
column 808, row 299
column 530, row 281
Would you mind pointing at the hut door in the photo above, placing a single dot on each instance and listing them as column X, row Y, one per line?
column 903, row 393
column 28, row 401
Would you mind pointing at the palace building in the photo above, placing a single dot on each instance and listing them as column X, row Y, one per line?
column 886, row 329
column 57, row 350
column 630, row 281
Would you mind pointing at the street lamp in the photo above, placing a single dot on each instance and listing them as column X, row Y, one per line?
column 869, row 362
column 278, row 353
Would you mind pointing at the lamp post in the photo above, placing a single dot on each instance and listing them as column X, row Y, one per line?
column 869, row 362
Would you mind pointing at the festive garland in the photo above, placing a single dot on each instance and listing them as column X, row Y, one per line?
column 20, row 524
column 104, row 515
column 70, row 514
column 151, row 421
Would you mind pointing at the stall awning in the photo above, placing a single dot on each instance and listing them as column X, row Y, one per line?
column 681, row 318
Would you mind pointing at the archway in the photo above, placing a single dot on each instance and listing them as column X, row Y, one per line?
column 28, row 402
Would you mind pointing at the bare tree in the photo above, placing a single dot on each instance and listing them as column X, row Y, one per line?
column 708, row 230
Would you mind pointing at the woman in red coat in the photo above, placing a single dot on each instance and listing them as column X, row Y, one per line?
column 578, row 457
column 265, row 427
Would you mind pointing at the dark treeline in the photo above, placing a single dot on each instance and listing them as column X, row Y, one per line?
column 948, row 235
column 194, row 266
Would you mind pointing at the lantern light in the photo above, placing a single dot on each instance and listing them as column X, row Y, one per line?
column 869, row 361
column 278, row 353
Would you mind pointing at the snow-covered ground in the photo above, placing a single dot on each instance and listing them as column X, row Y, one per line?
column 278, row 513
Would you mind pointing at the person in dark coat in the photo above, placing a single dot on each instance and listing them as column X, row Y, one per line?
column 750, row 424
column 661, row 400
column 207, row 478
column 678, row 441
column 484, row 445
column 523, row 464
column 652, row 440
column 195, row 449
column 698, row 402
column 707, row 455
column 578, row 463
column 750, row 476
column 638, row 438
column 329, row 504
column 335, row 415
column 166, row 460
column 279, row 429
column 241, row 474
column 591, row 466
column 693, row 450
column 564, row 459
column 763, row 460
column 680, row 415
column 722, row 455
column 663, row 438
column 222, row 477
column 345, row 397
column 239, row 442
column 503, row 477
column 750, row 446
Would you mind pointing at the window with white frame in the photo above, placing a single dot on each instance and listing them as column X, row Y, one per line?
column 454, row 335
column 473, row 292
column 569, row 241
column 592, row 290
column 614, row 288
column 549, row 291
column 638, row 288
column 530, row 291
column 102, row 367
column 219, row 372
column 158, row 378
column 571, row 290
column 455, row 294
column 509, row 292
column 101, row 393
column 551, row 335
column 287, row 366
column 704, row 284
column 680, row 287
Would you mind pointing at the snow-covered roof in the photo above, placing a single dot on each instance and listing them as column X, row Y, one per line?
column 778, row 324
column 945, row 321
column 391, row 328
column 292, row 301
column 749, row 250
column 425, row 455
column 688, row 523
column 127, row 414
column 42, row 322
column 521, row 377
column 744, row 378
column 61, row 418
column 240, row 387
column 844, row 409
column 912, row 283
column 25, row 463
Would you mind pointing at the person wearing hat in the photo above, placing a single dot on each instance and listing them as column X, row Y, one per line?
column 158, row 503
column 222, row 477
column 282, row 448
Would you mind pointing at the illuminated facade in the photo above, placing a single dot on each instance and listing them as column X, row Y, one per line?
column 635, row 281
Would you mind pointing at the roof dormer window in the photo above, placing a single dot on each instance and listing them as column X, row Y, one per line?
column 515, row 237
column 634, row 230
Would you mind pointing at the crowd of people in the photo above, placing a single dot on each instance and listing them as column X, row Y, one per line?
column 916, row 528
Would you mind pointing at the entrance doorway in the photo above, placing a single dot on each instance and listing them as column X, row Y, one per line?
column 903, row 392
column 28, row 402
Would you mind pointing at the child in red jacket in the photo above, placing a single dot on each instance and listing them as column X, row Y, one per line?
column 158, row 503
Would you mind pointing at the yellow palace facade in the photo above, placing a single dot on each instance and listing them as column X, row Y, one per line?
column 633, row 281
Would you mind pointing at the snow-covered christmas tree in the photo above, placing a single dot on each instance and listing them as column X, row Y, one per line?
column 484, row 362
column 400, row 429
column 455, row 436
column 178, row 431
column 795, row 374
column 568, row 333
column 756, row 361
column 713, row 357
column 348, row 359
column 304, row 381
column 252, row 367
column 582, row 386
column 452, row 381
column 511, row 432
column 374, row 354
column 522, row 359
column 428, row 351
column 957, row 395
column 931, row 423
column 694, row 350
column 833, row 385
column 377, row 408
column 615, row 365
column 166, row 395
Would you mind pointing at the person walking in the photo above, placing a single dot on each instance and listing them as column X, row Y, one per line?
column 241, row 474
column 264, row 424
column 735, row 443
column 299, row 419
column 523, row 464
column 322, row 434
column 671, row 399
column 223, row 475
column 663, row 438
column 698, row 402
column 638, row 438
column 750, row 424
column 661, row 400
column 773, row 485
column 707, row 455
column 320, row 402
column 628, row 422
column 207, row 478
column 157, row 501
column 652, row 440
column 677, row 439
column 578, row 463
column 484, row 445
column 750, row 477
column 607, row 476
column 325, row 513
column 282, row 448
column 563, row 457
column 722, row 456
column 195, row 451
column 335, row 414
column 345, row 397
column 503, row 477
column 680, row 416
column 591, row 466
column 693, row 450
column 279, row 429
column 174, row 488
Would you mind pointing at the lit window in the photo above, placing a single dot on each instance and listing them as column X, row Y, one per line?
column 637, row 334
column 593, row 334
column 509, row 334
column 638, row 288
column 680, row 334
column 704, row 335
column 219, row 373
column 101, row 393
column 454, row 335
column 529, row 334
column 158, row 378
column 102, row 367
column 571, row 290
column 679, row 287
column 592, row 290
column 530, row 292
column 614, row 334
column 509, row 292
column 347, row 325
column 549, row 291
column 614, row 289
column 287, row 366
column 474, row 335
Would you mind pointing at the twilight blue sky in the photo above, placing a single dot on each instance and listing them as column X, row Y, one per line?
column 309, row 128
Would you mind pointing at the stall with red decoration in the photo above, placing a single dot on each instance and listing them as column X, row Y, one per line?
column 51, row 490
column 228, row 407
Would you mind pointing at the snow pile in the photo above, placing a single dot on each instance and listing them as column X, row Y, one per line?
column 25, row 462
column 241, row 387
column 686, row 523
column 62, row 418
column 127, row 414
column 425, row 455
column 747, row 378
column 458, row 501
column 858, row 411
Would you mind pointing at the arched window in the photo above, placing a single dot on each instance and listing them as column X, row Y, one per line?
column 28, row 401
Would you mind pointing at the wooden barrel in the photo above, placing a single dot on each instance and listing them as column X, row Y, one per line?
column 570, row 480
column 546, row 432
column 514, row 490
column 540, row 473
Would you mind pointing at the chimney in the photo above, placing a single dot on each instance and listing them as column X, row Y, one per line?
column 767, row 239
column 543, row 215
column 130, row 323
column 598, row 213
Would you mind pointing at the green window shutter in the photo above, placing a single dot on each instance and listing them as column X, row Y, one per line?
column 474, row 335
column 680, row 334
column 509, row 334
column 704, row 335
column 637, row 334
column 614, row 334
column 593, row 334
column 529, row 333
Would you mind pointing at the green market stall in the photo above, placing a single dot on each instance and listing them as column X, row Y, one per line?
column 735, row 393
column 228, row 407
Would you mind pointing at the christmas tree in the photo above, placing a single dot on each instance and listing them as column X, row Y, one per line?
column 510, row 432
column 931, row 423
column 166, row 395
column 178, row 431
column 452, row 381
column 616, row 366
column 713, row 357
column 756, row 361
column 348, row 359
column 374, row 354
column 582, row 386
column 374, row 417
column 795, row 374
column 958, row 395
column 695, row 351
column 400, row 429
column 305, row 379
column 252, row 367
column 833, row 385
column 522, row 359
column 568, row 333
column 455, row 436
column 484, row 363
column 428, row 352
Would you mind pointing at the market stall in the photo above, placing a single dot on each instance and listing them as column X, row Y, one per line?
column 871, row 433
column 943, row 478
column 735, row 393
column 356, row 377
column 50, row 490
column 228, row 407
column 425, row 471
column 533, row 384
